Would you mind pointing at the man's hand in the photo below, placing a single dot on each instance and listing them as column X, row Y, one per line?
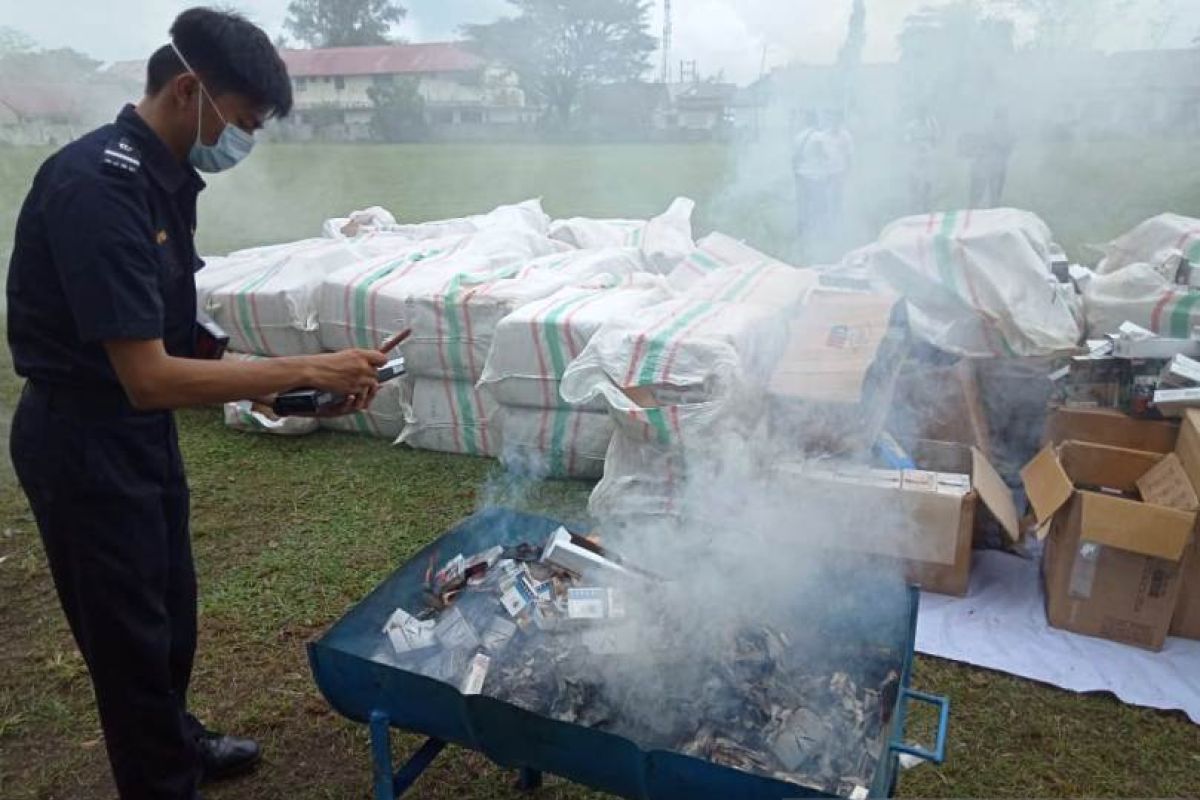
column 350, row 373
column 155, row 380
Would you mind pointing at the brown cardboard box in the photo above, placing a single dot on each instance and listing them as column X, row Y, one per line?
column 1112, row 564
column 832, row 389
column 941, row 404
column 1187, row 614
column 937, row 507
column 1111, row 427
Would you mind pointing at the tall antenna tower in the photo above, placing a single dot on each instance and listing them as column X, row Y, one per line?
column 666, row 42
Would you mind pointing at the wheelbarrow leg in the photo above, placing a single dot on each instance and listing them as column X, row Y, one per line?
column 381, row 757
column 390, row 785
column 529, row 780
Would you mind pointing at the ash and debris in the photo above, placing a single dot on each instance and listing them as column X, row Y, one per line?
column 568, row 632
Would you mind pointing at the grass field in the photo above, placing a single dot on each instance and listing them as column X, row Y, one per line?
column 289, row 534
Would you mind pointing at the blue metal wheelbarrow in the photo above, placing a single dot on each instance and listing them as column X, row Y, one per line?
column 354, row 667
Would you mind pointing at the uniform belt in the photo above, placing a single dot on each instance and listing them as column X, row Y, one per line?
column 84, row 402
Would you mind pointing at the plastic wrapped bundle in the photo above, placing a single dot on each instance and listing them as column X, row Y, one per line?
column 248, row 417
column 978, row 283
column 451, row 417
column 714, row 253
column 455, row 317
column 1141, row 294
column 676, row 371
column 1154, row 242
column 769, row 283
column 521, row 216
column 534, row 344
column 266, row 298
column 384, row 419
column 664, row 240
column 554, row 442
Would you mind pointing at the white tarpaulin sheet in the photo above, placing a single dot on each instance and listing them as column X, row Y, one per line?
column 1002, row 625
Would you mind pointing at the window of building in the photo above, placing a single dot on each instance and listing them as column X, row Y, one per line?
column 327, row 79
column 383, row 80
column 301, row 83
column 443, row 116
column 339, row 83
column 472, row 117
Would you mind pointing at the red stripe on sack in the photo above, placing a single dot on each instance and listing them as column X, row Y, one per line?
column 1156, row 315
column 379, row 286
column 703, row 318
column 675, row 420
column 573, row 348
column 437, row 331
column 932, row 226
column 641, row 345
column 1183, row 240
column 469, row 342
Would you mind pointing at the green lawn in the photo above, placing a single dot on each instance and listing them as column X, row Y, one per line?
column 288, row 534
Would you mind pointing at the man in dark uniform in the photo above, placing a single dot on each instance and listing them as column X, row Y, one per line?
column 101, row 315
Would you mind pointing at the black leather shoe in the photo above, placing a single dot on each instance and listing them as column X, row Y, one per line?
column 224, row 756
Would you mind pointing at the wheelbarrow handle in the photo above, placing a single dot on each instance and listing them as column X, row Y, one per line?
column 938, row 754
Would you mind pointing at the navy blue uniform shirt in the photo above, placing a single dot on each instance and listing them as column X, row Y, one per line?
column 103, row 250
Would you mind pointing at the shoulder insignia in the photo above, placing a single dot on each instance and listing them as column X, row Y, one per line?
column 120, row 155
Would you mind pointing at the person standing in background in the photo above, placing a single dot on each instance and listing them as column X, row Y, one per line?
column 808, row 168
column 922, row 137
column 840, row 154
column 990, row 151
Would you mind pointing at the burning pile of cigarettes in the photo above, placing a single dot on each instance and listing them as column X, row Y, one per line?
column 550, row 629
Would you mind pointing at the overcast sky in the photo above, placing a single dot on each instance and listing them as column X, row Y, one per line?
column 721, row 35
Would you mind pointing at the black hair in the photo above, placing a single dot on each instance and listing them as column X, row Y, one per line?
column 230, row 54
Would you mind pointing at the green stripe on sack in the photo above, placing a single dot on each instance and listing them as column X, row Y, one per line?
column 655, row 349
column 657, row 418
column 558, row 462
column 244, row 312
column 358, row 325
column 942, row 252
column 558, row 363
column 734, row 293
column 1181, row 317
column 702, row 259
column 1193, row 253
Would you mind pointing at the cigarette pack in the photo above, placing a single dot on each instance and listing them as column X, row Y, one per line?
column 454, row 632
column 563, row 552
column 476, row 674
column 1174, row 402
column 587, row 603
column 1182, row 372
column 498, row 634
column 408, row 634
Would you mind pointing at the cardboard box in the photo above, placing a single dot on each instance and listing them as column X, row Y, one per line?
column 1110, row 427
column 941, row 404
column 833, row 387
column 924, row 519
column 1112, row 565
column 1187, row 614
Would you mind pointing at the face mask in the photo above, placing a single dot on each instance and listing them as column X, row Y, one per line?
column 233, row 145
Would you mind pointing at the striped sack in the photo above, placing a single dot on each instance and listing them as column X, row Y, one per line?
column 450, row 417
column 554, row 442
column 533, row 345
